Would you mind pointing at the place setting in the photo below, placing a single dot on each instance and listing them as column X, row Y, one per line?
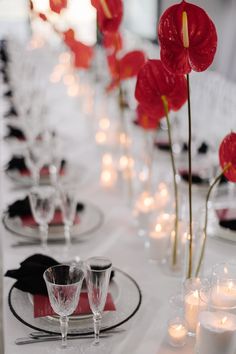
column 50, row 216
column 73, row 300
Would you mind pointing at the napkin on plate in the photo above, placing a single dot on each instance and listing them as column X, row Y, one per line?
column 22, row 209
column 18, row 163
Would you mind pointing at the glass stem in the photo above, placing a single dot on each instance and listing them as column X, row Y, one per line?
column 67, row 234
column 64, row 329
column 97, row 323
column 44, row 235
column 36, row 176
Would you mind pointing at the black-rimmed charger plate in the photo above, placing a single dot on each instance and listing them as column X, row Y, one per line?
column 127, row 304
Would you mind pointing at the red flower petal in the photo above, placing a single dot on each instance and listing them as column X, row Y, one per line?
column 82, row 55
column 112, row 42
column 227, row 154
column 153, row 82
column 202, row 39
column 57, row 5
column 126, row 67
column 69, row 37
column 146, row 121
column 42, row 16
column 109, row 24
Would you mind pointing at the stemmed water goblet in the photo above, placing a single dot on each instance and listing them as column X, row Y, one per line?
column 98, row 271
column 64, row 284
column 42, row 202
column 68, row 207
column 35, row 159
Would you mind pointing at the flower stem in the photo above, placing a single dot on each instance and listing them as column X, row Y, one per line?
column 190, row 259
column 215, row 181
column 175, row 245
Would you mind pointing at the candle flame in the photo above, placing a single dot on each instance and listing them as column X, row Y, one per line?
column 230, row 286
column 224, row 319
column 179, row 327
column 225, row 270
column 107, row 159
column 158, row 228
column 195, row 294
column 148, row 201
column 185, row 29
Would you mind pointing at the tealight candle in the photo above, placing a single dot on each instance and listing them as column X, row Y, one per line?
column 177, row 333
column 108, row 177
column 193, row 305
column 224, row 295
column 216, row 333
column 158, row 243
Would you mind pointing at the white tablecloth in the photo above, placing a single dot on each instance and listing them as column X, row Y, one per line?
column 145, row 333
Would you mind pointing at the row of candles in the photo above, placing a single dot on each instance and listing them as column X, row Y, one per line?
column 209, row 312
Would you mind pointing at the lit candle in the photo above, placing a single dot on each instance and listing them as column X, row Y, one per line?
column 108, row 177
column 162, row 196
column 193, row 305
column 224, row 295
column 216, row 333
column 177, row 333
column 158, row 243
column 145, row 203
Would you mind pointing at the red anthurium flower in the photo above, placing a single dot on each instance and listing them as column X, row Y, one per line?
column 112, row 41
column 109, row 13
column 82, row 55
column 187, row 37
column 227, row 155
column 155, row 84
column 126, row 67
column 57, row 5
column 42, row 16
column 146, row 121
column 69, row 37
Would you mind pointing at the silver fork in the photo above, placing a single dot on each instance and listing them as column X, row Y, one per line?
column 51, row 338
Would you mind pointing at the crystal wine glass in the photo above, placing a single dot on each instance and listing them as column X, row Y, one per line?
column 42, row 202
column 64, row 284
column 68, row 206
column 98, row 271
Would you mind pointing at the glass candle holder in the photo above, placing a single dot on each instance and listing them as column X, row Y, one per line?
column 193, row 303
column 177, row 332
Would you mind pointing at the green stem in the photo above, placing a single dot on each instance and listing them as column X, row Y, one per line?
column 190, row 258
column 125, row 146
column 216, row 180
column 175, row 245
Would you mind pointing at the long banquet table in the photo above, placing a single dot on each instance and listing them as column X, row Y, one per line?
column 146, row 332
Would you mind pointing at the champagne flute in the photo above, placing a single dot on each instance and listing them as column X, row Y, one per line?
column 64, row 284
column 68, row 207
column 98, row 271
column 42, row 202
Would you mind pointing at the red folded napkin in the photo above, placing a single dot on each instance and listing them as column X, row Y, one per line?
column 44, row 172
column 226, row 214
column 57, row 219
column 42, row 307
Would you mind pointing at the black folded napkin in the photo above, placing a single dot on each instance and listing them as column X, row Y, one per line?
column 14, row 133
column 22, row 208
column 162, row 145
column 8, row 93
column 18, row 163
column 11, row 112
column 228, row 224
column 30, row 274
column 202, row 149
column 196, row 179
